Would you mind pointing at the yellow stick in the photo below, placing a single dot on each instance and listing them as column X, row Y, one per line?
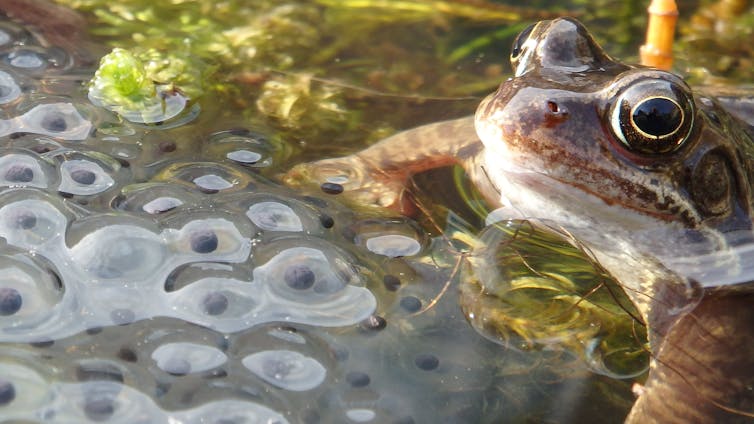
column 658, row 49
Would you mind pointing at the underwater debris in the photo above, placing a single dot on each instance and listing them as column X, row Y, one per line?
column 294, row 102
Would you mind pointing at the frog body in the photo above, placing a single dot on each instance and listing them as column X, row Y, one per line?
column 654, row 179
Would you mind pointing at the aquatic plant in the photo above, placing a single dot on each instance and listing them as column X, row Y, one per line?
column 300, row 65
column 528, row 288
column 145, row 88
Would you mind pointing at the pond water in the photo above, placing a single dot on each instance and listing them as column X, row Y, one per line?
column 160, row 272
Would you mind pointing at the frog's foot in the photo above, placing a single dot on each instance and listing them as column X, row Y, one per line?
column 361, row 183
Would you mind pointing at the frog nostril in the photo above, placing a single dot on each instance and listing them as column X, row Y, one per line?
column 554, row 114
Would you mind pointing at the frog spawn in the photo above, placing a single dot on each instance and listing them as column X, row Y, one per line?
column 67, row 270
column 85, row 246
column 118, row 242
column 121, row 263
column 28, row 394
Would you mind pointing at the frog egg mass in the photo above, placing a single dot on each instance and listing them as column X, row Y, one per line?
column 201, row 290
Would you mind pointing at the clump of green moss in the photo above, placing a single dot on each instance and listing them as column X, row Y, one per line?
column 122, row 78
column 147, row 87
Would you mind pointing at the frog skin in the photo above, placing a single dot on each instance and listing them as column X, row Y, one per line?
column 653, row 180
column 58, row 26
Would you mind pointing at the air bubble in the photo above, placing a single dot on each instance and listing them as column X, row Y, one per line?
column 25, row 59
column 212, row 183
column 9, row 89
column 361, row 415
column 286, row 369
column 394, row 245
column 246, row 157
column 186, row 358
column 161, row 205
column 274, row 216
column 391, row 238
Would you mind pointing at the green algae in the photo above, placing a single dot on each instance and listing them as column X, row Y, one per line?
column 145, row 87
column 122, row 78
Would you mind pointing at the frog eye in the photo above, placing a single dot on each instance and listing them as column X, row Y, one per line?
column 522, row 51
column 652, row 117
column 518, row 43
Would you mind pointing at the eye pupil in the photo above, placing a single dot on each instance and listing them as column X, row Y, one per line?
column 657, row 116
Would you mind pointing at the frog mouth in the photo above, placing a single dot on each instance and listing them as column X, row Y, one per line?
column 565, row 191
column 701, row 254
column 541, row 195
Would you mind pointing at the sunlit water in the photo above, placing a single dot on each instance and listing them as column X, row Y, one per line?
column 157, row 274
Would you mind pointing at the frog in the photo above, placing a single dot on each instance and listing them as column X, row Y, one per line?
column 651, row 178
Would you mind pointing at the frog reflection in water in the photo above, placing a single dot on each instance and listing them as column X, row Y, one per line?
column 654, row 180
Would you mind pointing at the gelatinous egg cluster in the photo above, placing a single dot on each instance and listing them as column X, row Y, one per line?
column 92, row 239
column 154, row 273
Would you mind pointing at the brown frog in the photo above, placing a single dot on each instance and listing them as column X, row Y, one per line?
column 653, row 179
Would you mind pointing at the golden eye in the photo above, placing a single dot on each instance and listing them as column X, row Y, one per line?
column 652, row 116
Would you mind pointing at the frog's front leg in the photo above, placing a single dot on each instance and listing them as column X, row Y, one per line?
column 377, row 176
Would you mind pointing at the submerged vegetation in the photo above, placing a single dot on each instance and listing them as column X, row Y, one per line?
column 528, row 288
column 301, row 67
